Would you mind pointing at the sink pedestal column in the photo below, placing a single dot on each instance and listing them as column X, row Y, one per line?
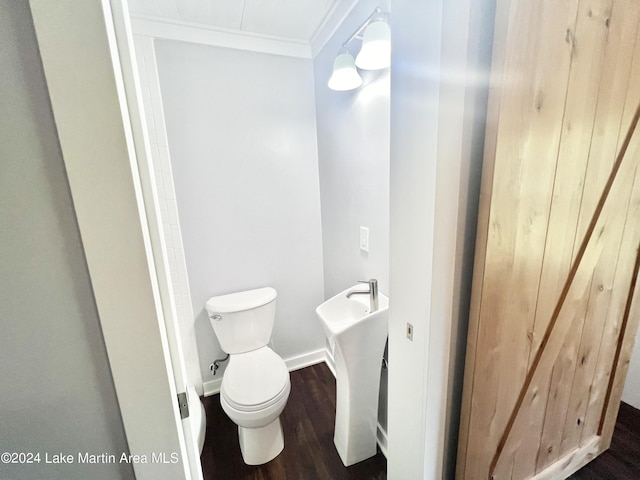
column 357, row 391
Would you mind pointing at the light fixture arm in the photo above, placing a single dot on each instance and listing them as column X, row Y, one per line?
column 376, row 15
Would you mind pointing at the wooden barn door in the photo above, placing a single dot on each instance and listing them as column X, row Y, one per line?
column 555, row 304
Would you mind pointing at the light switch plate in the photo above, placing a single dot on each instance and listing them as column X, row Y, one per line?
column 364, row 239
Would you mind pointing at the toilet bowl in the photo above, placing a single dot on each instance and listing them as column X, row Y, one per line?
column 256, row 384
column 254, row 392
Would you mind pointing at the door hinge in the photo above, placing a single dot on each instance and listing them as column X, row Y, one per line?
column 183, row 405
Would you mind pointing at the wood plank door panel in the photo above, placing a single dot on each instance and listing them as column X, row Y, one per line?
column 552, row 319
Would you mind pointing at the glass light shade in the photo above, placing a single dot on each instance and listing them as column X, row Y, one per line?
column 345, row 76
column 375, row 53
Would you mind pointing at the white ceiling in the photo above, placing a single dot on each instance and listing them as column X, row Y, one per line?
column 294, row 20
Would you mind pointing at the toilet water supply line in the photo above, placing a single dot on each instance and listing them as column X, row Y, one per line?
column 214, row 366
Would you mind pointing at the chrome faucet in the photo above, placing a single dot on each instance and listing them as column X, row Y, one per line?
column 372, row 292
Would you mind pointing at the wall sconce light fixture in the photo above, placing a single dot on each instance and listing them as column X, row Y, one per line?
column 375, row 53
column 345, row 75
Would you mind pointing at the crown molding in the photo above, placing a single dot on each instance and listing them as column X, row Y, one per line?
column 329, row 26
column 167, row 29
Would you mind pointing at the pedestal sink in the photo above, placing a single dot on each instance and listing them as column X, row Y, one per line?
column 357, row 337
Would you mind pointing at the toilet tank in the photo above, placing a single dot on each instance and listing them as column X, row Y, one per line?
column 243, row 321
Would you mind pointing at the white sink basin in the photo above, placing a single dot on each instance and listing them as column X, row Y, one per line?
column 357, row 338
column 340, row 313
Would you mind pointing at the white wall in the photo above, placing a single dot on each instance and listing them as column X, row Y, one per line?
column 353, row 160
column 57, row 390
column 415, row 74
column 631, row 392
column 241, row 134
column 436, row 116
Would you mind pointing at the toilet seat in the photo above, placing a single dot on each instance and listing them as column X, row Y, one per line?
column 280, row 398
column 255, row 380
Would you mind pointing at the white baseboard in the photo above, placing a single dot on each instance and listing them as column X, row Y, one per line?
column 328, row 359
column 211, row 387
column 305, row 360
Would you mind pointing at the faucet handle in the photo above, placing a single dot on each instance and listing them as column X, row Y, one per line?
column 370, row 281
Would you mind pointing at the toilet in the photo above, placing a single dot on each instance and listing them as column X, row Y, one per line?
column 256, row 385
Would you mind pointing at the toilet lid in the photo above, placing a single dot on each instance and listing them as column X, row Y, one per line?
column 254, row 378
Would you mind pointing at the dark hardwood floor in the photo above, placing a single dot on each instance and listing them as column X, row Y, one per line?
column 309, row 453
column 622, row 460
column 307, row 421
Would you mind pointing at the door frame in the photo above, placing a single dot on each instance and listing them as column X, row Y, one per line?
column 85, row 76
column 99, row 130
